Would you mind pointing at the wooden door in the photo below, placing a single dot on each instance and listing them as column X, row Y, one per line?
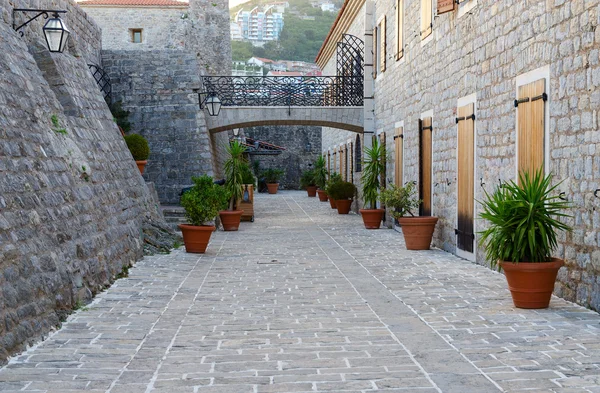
column 382, row 141
column 465, row 235
column 425, row 161
column 398, row 156
column 531, row 103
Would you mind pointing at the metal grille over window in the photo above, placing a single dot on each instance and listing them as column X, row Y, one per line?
column 103, row 81
column 358, row 155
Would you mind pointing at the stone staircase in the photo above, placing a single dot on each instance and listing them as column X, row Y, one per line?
column 174, row 215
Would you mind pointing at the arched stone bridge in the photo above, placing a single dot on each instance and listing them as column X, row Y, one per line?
column 335, row 101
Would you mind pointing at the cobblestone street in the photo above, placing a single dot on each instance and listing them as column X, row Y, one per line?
column 306, row 300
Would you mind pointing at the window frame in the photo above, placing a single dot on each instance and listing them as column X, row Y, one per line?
column 133, row 32
column 425, row 39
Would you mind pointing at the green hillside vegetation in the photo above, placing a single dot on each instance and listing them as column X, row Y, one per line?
column 300, row 39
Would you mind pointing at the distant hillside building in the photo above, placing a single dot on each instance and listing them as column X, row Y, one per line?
column 259, row 25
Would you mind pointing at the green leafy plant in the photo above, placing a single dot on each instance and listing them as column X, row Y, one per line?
column 402, row 200
column 56, row 125
column 523, row 220
column 233, row 173
column 138, row 146
column 272, row 175
column 203, row 201
column 342, row 190
column 320, row 172
column 307, row 179
column 333, row 178
column 247, row 175
column 120, row 116
column 373, row 169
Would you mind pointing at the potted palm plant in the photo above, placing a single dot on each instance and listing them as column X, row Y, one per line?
column 307, row 182
column 333, row 178
column 231, row 217
column 272, row 177
column 417, row 231
column 202, row 203
column 343, row 192
column 524, row 220
column 320, row 178
column 373, row 169
column 138, row 146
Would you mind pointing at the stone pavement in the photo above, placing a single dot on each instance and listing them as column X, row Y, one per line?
column 305, row 300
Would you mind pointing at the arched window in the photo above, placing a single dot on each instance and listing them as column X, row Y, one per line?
column 357, row 155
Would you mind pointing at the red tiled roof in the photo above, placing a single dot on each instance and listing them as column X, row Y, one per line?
column 264, row 60
column 285, row 73
column 136, row 3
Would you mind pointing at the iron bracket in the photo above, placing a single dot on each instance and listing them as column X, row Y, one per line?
column 43, row 13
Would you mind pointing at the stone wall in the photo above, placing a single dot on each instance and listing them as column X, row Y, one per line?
column 482, row 52
column 158, row 88
column 297, row 157
column 162, row 28
column 73, row 205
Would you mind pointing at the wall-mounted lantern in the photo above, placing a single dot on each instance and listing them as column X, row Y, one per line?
column 55, row 30
column 211, row 102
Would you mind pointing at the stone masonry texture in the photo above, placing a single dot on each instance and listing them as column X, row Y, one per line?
column 483, row 52
column 157, row 87
column 297, row 157
column 72, row 202
column 306, row 300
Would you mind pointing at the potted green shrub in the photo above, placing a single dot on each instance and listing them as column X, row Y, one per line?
column 234, row 185
column 343, row 192
column 307, row 182
column 372, row 170
column 272, row 177
column 202, row 203
column 138, row 146
column 333, row 178
column 320, row 178
column 417, row 231
column 524, row 220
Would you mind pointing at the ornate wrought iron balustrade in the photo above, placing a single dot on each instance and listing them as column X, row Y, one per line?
column 103, row 81
column 286, row 90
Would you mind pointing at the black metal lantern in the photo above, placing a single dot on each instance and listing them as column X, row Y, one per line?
column 213, row 105
column 55, row 30
column 56, row 34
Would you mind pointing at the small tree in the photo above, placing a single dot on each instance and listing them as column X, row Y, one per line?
column 402, row 200
column 373, row 169
column 320, row 172
column 203, row 201
column 234, row 173
column 307, row 179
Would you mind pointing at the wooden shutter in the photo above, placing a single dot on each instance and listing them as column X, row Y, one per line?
column 335, row 162
column 399, row 29
column 351, row 161
column 398, row 156
column 425, row 166
column 444, row 6
column 346, row 176
column 329, row 162
column 426, row 18
column 375, row 53
column 342, row 164
column 531, row 103
column 382, row 180
column 382, row 52
column 466, row 175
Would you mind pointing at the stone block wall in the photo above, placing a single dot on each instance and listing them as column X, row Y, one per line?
column 158, row 88
column 297, row 157
column 162, row 28
column 73, row 205
column 483, row 51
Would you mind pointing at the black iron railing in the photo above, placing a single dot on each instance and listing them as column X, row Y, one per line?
column 286, row 90
column 103, row 81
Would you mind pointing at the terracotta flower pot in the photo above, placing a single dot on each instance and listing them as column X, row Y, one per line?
column 332, row 203
column 322, row 196
column 372, row 217
column 231, row 219
column 343, row 205
column 196, row 237
column 141, row 165
column 417, row 231
column 273, row 187
column 312, row 191
column 531, row 283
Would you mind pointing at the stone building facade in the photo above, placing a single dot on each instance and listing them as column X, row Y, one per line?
column 73, row 206
column 434, row 69
column 156, row 74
